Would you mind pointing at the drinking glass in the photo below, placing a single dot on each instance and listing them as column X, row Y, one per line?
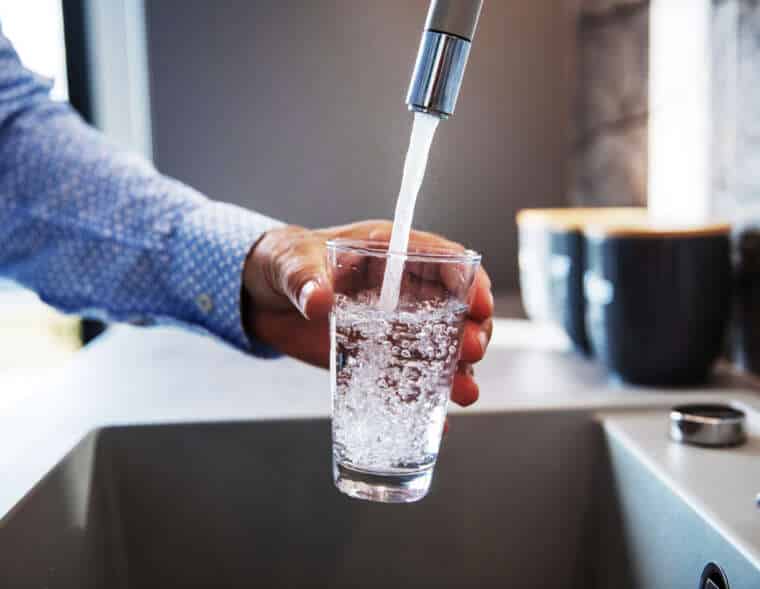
column 392, row 371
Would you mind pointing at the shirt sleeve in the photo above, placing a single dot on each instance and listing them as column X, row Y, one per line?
column 98, row 231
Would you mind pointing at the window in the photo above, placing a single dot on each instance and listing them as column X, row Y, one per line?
column 35, row 27
column 33, row 338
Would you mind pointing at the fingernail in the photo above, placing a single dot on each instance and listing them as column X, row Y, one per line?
column 483, row 339
column 305, row 294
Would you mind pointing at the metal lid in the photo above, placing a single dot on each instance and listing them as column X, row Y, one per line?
column 707, row 425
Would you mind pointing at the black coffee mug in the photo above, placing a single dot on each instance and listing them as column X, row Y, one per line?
column 551, row 260
column 746, row 316
column 658, row 300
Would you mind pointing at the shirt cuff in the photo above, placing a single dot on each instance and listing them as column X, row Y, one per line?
column 209, row 246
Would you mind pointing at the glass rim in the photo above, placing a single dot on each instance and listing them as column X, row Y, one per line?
column 379, row 248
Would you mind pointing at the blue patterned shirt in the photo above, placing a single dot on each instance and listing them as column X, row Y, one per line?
column 98, row 231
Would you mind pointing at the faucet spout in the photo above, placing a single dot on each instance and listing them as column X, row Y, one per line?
column 442, row 57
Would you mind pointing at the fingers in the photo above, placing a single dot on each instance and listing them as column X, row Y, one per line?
column 297, row 269
column 464, row 390
column 481, row 305
column 475, row 340
column 381, row 231
column 315, row 300
column 358, row 230
column 427, row 279
column 312, row 346
column 294, row 335
column 289, row 269
column 302, row 277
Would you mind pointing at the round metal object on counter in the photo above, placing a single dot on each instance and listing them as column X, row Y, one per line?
column 708, row 425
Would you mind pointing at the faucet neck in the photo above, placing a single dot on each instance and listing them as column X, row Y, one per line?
column 458, row 18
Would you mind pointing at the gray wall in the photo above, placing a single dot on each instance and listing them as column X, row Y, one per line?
column 610, row 140
column 295, row 108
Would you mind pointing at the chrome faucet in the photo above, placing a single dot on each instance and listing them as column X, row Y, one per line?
column 442, row 57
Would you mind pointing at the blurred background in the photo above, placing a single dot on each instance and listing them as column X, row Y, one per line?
column 296, row 109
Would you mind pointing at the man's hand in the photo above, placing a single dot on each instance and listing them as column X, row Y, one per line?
column 290, row 295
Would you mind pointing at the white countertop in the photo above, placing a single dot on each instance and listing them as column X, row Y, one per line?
column 719, row 484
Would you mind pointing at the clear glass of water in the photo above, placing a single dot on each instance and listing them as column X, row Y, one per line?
column 392, row 371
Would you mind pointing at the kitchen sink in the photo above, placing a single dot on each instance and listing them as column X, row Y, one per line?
column 534, row 499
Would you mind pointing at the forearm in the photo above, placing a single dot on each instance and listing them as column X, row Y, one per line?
column 96, row 230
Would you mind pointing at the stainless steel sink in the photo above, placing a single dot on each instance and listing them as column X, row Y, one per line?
column 520, row 499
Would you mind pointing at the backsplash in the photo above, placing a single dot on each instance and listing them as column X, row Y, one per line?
column 611, row 116
column 737, row 25
column 609, row 144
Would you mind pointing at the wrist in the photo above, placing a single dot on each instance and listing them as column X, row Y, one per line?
column 247, row 302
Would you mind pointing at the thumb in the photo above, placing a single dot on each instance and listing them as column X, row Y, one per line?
column 301, row 275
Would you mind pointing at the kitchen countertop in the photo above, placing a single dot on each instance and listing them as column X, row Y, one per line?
column 159, row 375
column 721, row 485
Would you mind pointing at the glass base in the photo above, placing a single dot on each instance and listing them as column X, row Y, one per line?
column 383, row 488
